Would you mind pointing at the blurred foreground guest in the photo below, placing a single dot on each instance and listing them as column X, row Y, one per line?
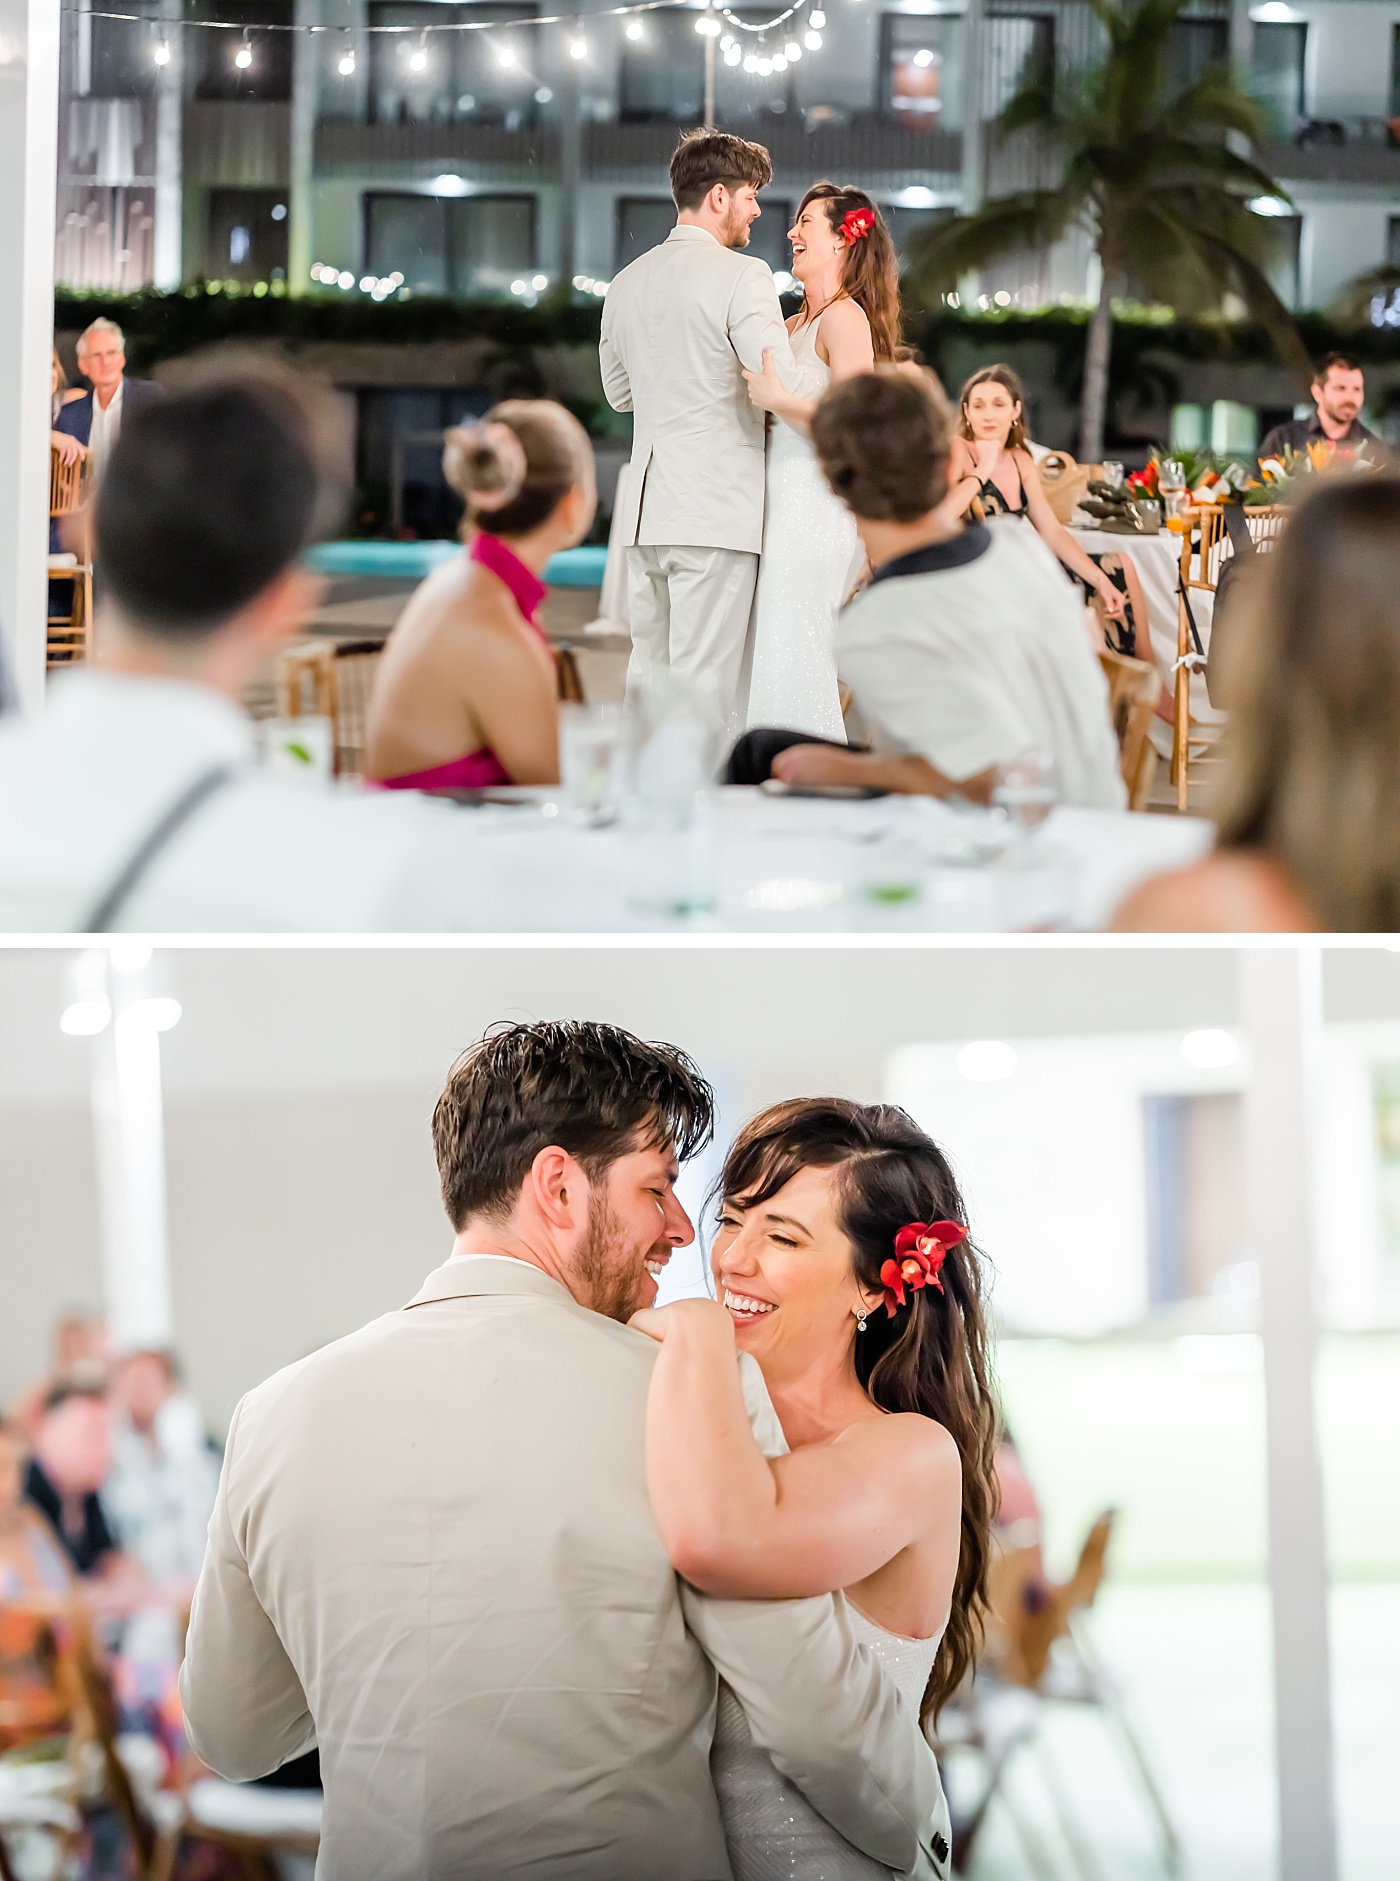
column 32, row 1560
column 137, row 798
column 1309, row 833
column 467, row 694
column 94, row 419
column 165, row 1471
column 72, row 1455
column 968, row 648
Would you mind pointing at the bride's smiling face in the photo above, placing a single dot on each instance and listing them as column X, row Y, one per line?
column 815, row 245
column 783, row 1269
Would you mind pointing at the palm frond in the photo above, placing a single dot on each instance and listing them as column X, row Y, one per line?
column 941, row 255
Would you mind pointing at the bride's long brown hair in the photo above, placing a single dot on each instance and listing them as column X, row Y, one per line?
column 869, row 267
column 932, row 1356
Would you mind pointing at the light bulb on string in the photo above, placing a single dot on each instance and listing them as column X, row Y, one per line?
column 733, row 53
column 505, row 55
column 162, row 52
column 708, row 26
column 578, row 46
column 750, row 62
column 634, row 29
column 418, row 58
column 817, row 19
column 792, row 52
column 346, row 65
column 778, row 62
column 243, row 58
column 813, row 41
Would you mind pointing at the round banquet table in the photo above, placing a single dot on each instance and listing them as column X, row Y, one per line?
column 1158, row 562
column 793, row 864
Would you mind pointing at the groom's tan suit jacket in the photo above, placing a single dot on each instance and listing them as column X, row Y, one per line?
column 433, row 1557
column 678, row 324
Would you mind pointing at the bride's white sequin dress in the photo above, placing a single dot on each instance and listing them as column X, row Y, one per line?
column 773, row 1832
column 811, row 559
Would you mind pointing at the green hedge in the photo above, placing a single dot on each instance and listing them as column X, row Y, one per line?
column 164, row 326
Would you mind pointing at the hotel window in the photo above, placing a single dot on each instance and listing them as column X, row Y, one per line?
column 470, row 247
column 1277, row 72
column 643, row 222
column 662, row 77
column 440, row 77
column 1019, row 47
column 917, row 54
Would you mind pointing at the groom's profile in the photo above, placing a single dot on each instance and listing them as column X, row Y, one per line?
column 679, row 325
column 433, row 1556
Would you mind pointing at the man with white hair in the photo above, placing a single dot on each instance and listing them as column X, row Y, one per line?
column 95, row 419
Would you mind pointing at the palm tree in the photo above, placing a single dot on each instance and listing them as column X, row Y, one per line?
column 1150, row 172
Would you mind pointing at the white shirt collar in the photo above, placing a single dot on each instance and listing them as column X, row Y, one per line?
column 453, row 1259
column 691, row 231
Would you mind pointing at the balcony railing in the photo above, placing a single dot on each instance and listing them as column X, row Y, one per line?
column 346, row 146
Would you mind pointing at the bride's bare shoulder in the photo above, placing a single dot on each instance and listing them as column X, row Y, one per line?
column 845, row 316
column 915, row 1448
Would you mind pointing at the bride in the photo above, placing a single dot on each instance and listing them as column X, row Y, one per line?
column 844, row 258
column 845, row 1270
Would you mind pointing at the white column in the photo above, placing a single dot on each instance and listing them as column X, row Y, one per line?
column 168, row 262
column 29, row 164
column 973, row 160
column 129, row 1132
column 308, row 50
column 1281, row 1008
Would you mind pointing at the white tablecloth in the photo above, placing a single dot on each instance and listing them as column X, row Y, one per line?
column 893, row 864
column 1158, row 562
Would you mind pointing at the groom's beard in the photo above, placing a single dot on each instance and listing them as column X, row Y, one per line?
column 736, row 230
column 615, row 1280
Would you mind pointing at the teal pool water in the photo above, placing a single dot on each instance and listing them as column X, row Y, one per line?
column 411, row 561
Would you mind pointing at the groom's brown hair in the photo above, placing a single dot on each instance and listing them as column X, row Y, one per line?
column 591, row 1089
column 704, row 158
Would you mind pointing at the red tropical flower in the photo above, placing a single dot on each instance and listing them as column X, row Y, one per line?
column 856, row 224
column 920, row 1249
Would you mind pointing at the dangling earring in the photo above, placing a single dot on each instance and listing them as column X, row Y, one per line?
column 860, row 1322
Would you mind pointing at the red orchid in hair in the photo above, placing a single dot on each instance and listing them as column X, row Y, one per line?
column 920, row 1249
column 856, row 224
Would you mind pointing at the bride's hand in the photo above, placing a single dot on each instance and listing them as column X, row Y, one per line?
column 706, row 1318
column 766, row 389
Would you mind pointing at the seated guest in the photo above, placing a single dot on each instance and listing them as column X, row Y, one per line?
column 137, row 797
column 990, row 466
column 95, row 418
column 1338, row 391
column 32, row 1559
column 1308, row 831
column 160, row 1490
column 68, row 447
column 967, row 649
column 72, row 1454
column 467, row 693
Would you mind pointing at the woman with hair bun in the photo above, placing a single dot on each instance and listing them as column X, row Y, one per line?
column 844, row 1269
column 849, row 321
column 467, row 695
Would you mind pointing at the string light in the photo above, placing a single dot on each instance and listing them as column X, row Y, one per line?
column 578, row 47
column 243, row 58
column 733, row 53
column 346, row 67
column 418, row 62
column 162, row 52
column 505, row 55
column 708, row 26
column 813, row 41
column 634, row 29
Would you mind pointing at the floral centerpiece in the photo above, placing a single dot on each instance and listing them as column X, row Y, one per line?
column 1286, row 476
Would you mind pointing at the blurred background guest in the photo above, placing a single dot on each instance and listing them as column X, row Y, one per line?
column 79, row 1358
column 32, row 1559
column 1309, row 835
column 68, row 447
column 1339, row 392
column 467, row 692
column 72, row 1454
column 159, row 1493
column 95, row 418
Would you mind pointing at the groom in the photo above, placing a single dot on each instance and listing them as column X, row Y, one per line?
column 679, row 324
column 433, row 1555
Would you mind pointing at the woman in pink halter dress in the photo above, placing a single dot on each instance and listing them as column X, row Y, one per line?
column 466, row 694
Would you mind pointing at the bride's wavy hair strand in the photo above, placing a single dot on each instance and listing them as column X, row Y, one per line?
column 870, row 266
column 932, row 1356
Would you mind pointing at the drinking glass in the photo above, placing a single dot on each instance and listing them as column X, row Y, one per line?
column 1113, row 475
column 590, row 743
column 1171, row 481
column 1025, row 790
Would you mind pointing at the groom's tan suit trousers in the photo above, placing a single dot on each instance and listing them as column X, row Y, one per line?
column 433, row 1557
column 679, row 324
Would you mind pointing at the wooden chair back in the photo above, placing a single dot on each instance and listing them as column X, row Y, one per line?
column 1266, row 525
column 334, row 679
column 1027, row 1614
column 69, row 623
column 68, row 484
column 1203, row 537
column 1133, row 689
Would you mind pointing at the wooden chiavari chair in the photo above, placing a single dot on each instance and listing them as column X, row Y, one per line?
column 1133, row 689
column 70, row 631
column 1202, row 547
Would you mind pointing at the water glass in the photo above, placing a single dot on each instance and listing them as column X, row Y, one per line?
column 1113, row 475
column 1025, row 790
column 590, row 744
